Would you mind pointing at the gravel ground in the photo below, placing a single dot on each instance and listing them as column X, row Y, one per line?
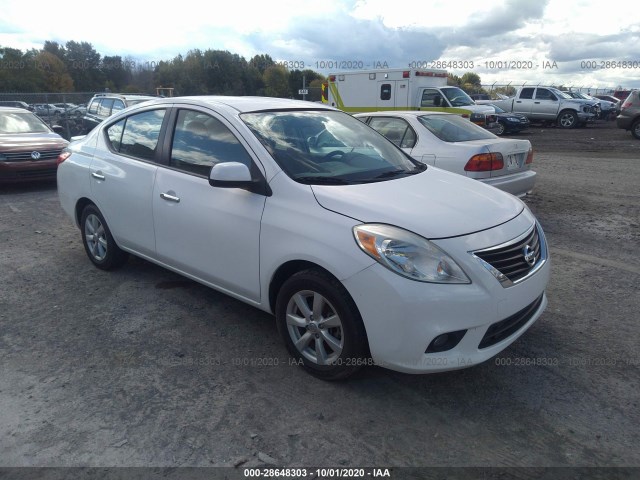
column 141, row 367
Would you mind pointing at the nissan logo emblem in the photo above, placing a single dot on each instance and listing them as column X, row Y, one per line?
column 35, row 155
column 529, row 255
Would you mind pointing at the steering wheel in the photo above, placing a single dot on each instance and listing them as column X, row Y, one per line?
column 335, row 153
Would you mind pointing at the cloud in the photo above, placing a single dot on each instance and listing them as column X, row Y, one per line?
column 589, row 46
column 346, row 38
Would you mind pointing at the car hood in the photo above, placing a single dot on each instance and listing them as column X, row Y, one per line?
column 34, row 141
column 581, row 101
column 434, row 203
column 507, row 115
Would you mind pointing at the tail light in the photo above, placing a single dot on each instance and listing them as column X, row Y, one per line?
column 485, row 162
column 529, row 157
column 62, row 157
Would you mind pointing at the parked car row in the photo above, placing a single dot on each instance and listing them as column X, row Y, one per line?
column 48, row 110
column 548, row 104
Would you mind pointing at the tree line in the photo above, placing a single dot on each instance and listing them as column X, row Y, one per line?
column 78, row 67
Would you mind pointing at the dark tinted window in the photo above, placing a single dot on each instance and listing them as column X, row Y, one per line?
column 544, row 94
column 526, row 93
column 104, row 110
column 431, row 98
column 200, row 141
column 452, row 128
column 117, row 106
column 140, row 135
column 396, row 130
column 385, row 91
column 93, row 108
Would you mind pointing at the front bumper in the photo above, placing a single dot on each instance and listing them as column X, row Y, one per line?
column 586, row 117
column 26, row 171
column 403, row 317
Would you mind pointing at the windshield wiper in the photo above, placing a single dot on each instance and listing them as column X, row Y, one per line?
column 322, row 180
column 392, row 173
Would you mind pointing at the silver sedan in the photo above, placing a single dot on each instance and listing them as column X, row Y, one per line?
column 452, row 143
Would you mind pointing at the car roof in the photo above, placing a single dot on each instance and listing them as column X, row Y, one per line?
column 245, row 104
column 13, row 109
column 408, row 113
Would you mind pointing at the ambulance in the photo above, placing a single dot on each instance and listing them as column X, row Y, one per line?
column 402, row 89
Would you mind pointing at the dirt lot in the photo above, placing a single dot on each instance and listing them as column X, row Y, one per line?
column 141, row 367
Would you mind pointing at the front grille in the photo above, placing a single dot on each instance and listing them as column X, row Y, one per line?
column 508, row 262
column 26, row 155
column 507, row 327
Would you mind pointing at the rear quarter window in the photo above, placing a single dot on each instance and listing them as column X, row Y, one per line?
column 137, row 135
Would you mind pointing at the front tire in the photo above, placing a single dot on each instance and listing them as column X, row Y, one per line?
column 321, row 326
column 98, row 242
column 501, row 130
column 568, row 119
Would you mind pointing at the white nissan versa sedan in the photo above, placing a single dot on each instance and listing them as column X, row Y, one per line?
column 364, row 255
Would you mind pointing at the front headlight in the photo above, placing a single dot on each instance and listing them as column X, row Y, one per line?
column 408, row 254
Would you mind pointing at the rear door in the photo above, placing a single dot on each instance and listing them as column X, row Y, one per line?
column 123, row 172
column 393, row 94
column 524, row 102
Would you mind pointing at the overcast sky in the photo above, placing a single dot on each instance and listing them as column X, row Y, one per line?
column 502, row 41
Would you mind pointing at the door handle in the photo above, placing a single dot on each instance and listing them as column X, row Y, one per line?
column 97, row 175
column 537, row 103
column 171, row 198
column 518, row 101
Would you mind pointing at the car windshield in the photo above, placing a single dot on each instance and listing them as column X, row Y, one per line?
column 328, row 147
column 497, row 108
column 452, row 128
column 457, row 97
column 560, row 94
column 17, row 122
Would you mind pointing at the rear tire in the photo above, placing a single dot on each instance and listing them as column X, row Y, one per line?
column 98, row 242
column 321, row 326
column 635, row 129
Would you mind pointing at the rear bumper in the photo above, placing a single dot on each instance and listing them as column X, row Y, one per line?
column 518, row 184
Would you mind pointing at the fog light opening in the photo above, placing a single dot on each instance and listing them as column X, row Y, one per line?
column 445, row 342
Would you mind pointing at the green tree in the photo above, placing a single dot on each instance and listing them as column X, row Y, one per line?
column 54, row 76
column 116, row 72
column 453, row 80
column 83, row 64
column 295, row 82
column 276, row 81
column 261, row 63
column 315, row 90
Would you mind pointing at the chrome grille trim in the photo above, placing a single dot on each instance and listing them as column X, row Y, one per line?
column 503, row 261
column 26, row 155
